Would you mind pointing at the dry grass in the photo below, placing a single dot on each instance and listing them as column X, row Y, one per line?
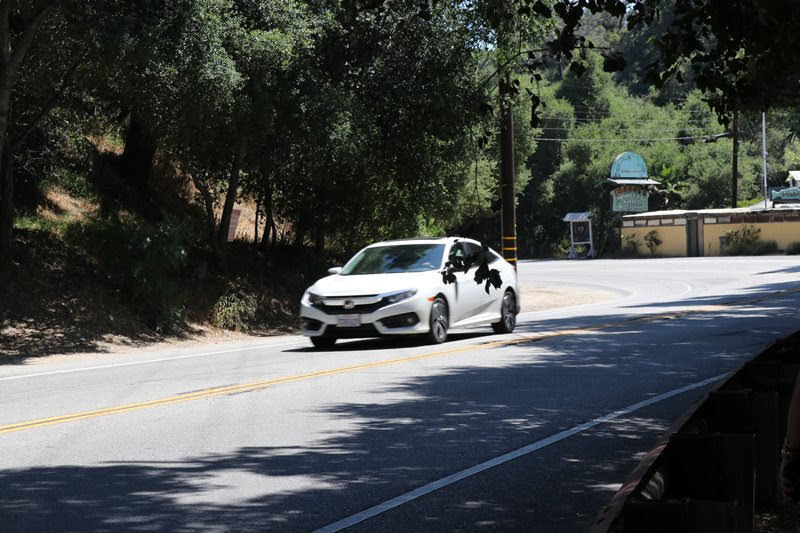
column 61, row 206
column 784, row 518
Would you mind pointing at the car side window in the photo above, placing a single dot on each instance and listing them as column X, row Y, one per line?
column 457, row 253
column 474, row 252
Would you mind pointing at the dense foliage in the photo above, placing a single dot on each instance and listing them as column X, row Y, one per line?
column 348, row 121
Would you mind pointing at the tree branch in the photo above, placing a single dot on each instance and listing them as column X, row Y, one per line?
column 49, row 104
column 26, row 39
column 5, row 44
column 510, row 60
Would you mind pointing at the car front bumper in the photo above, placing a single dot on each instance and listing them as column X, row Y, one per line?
column 408, row 317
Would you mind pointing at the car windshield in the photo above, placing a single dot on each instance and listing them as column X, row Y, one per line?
column 395, row 259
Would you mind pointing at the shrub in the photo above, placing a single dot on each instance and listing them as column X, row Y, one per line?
column 631, row 246
column 148, row 261
column 235, row 309
column 793, row 248
column 756, row 248
column 747, row 234
column 747, row 241
column 652, row 241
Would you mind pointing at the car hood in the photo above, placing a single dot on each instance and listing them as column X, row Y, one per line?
column 361, row 285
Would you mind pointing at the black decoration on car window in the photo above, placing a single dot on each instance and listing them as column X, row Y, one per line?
column 456, row 263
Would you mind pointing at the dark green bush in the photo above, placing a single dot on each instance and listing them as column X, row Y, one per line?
column 751, row 248
column 631, row 245
column 653, row 241
column 147, row 261
column 793, row 248
column 747, row 241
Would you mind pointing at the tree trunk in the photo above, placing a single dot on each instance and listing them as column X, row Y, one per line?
column 6, row 204
column 269, row 218
column 258, row 215
column 208, row 204
column 227, row 206
column 300, row 231
column 11, row 56
column 735, row 161
column 136, row 163
column 265, row 236
column 319, row 241
column 6, row 174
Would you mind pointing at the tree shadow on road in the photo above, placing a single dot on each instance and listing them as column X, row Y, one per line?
column 454, row 415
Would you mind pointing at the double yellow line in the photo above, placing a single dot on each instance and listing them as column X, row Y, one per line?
column 232, row 389
column 262, row 384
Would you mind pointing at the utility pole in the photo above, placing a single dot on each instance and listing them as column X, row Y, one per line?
column 764, row 152
column 507, row 179
column 735, row 171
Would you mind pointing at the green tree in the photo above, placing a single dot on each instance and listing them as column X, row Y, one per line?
column 20, row 23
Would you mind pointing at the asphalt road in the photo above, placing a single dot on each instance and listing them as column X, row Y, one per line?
column 532, row 431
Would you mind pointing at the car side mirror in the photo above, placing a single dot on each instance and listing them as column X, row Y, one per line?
column 334, row 270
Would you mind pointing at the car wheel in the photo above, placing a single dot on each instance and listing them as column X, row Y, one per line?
column 322, row 341
column 508, row 314
column 439, row 322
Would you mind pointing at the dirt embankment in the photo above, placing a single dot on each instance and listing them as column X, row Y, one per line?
column 58, row 304
column 535, row 298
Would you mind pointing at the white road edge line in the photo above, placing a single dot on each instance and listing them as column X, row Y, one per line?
column 458, row 476
column 132, row 363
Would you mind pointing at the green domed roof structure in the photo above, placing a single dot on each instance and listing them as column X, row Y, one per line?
column 629, row 165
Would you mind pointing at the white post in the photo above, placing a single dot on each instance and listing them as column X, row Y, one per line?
column 571, row 241
column 764, row 152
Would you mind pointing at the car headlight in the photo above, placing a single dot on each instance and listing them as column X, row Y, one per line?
column 312, row 299
column 400, row 296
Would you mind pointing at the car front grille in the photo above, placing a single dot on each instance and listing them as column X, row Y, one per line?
column 361, row 305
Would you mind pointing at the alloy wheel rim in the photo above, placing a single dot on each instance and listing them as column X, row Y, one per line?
column 508, row 311
column 439, row 321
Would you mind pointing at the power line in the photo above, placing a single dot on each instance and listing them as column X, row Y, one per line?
column 625, row 140
column 582, row 120
column 611, row 113
column 636, row 129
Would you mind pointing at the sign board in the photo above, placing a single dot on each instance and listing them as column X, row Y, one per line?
column 785, row 194
column 628, row 165
column 580, row 232
column 234, row 223
column 629, row 199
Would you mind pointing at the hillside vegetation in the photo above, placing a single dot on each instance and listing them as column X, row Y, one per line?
column 134, row 129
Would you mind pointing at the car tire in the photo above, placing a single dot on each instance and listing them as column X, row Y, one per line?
column 508, row 314
column 439, row 322
column 323, row 341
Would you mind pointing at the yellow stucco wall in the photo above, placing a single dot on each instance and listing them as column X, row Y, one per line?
column 673, row 239
column 781, row 232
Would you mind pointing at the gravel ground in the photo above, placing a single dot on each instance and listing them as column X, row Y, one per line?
column 536, row 298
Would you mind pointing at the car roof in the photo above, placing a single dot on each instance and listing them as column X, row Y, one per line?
column 420, row 240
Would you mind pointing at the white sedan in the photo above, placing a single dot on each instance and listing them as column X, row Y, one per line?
column 398, row 288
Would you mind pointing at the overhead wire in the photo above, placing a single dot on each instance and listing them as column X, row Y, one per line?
column 578, row 120
column 624, row 140
column 636, row 129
